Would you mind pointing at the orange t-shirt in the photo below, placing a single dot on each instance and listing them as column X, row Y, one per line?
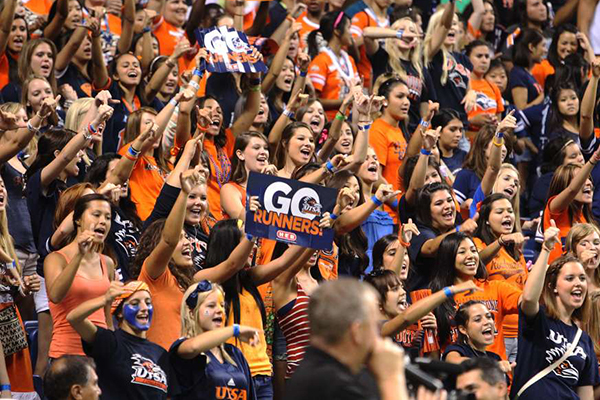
column 168, row 35
column 257, row 357
column 331, row 76
column 390, row 146
column 166, row 299
column 307, row 27
column 361, row 20
column 504, row 268
column 145, row 183
column 541, row 71
column 40, row 7
column 489, row 98
column 502, row 299
column 563, row 223
column 4, row 70
column 220, row 171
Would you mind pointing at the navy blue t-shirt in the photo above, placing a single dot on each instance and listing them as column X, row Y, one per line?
column 206, row 378
column 453, row 92
column 468, row 351
column 128, row 367
column 465, row 185
column 421, row 267
column 542, row 341
column 71, row 76
column 455, row 162
column 19, row 219
column 596, row 202
column 222, row 86
column 539, row 194
column 520, row 77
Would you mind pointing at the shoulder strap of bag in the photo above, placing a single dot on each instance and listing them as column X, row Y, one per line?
column 552, row 366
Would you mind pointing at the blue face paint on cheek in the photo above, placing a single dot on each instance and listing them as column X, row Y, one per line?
column 130, row 312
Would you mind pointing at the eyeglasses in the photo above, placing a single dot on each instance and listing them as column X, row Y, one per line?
column 203, row 286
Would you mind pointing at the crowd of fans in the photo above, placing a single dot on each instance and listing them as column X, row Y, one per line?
column 462, row 138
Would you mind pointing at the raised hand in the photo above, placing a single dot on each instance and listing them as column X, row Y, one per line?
column 85, row 241
column 432, row 108
column 254, row 204
column 508, row 123
column 8, row 120
column 326, row 221
column 67, row 92
column 298, row 10
column 303, row 61
column 467, row 287
column 104, row 97
column 48, row 107
column 111, row 191
column 114, row 290
column 386, row 192
column 409, row 229
column 269, row 170
column 182, row 47
column 596, row 67
column 430, row 138
column 190, row 179
column 551, row 236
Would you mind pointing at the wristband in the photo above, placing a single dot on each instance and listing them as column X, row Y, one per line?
column 236, row 330
column 4, row 387
column 255, row 88
column 201, row 128
column 146, row 30
column 173, row 102
column 425, row 152
column 404, row 244
column 87, row 135
column 31, row 128
column 249, row 237
column 333, row 216
column 288, row 113
column 498, row 144
column 500, row 134
column 375, row 200
column 129, row 157
column 195, row 85
column 394, row 204
column 170, row 63
column 330, row 167
column 339, row 116
column 424, row 124
column 92, row 129
column 400, row 33
column 364, row 127
column 197, row 72
column 303, row 74
column 448, row 292
column 254, row 82
column 458, row 228
column 133, row 153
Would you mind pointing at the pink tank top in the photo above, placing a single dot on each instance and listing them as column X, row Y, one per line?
column 65, row 340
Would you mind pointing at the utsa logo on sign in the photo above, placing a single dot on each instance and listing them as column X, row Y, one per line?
column 147, row 373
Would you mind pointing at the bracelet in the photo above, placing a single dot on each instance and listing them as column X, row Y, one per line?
column 400, row 33
column 255, row 88
column 249, row 237
column 87, row 135
column 498, row 144
column 448, row 292
column 92, row 129
column 133, row 153
column 333, row 216
column 254, row 82
column 146, row 30
column 375, row 200
column 364, row 127
column 501, row 242
column 330, row 167
column 404, row 244
column 31, row 128
column 4, row 387
column 173, row 102
column 425, row 152
column 201, row 128
column 394, row 204
column 544, row 247
column 198, row 72
column 129, row 157
column 170, row 63
column 236, row 330
column 288, row 113
column 424, row 124
column 339, row 116
column 195, row 85
column 303, row 74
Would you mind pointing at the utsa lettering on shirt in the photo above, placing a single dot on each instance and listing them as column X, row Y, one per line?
column 233, row 393
column 147, row 373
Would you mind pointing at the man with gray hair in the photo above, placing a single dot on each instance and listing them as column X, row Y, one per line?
column 345, row 339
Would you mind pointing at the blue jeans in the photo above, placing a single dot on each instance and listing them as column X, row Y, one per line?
column 263, row 387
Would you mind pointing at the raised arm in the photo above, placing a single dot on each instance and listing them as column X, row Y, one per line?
column 78, row 317
column 127, row 22
column 417, row 180
column 336, row 127
column 495, row 160
column 476, row 15
column 65, row 55
column 100, row 72
column 246, row 118
column 530, row 301
column 78, row 143
column 586, row 119
column 13, row 140
column 6, row 19
column 279, row 58
column 194, row 20
column 260, row 20
column 439, row 36
column 164, row 116
column 284, row 119
column 52, row 30
column 408, row 230
column 424, row 306
column 564, row 198
column 158, row 261
column 235, row 262
column 162, row 73
column 262, row 274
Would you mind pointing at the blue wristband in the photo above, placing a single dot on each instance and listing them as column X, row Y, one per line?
column 400, row 33
column 395, row 204
column 4, row 387
column 303, row 73
column 500, row 134
column 425, row 152
column 364, row 127
column 330, row 167
column 199, row 73
column 424, row 124
column 375, row 200
column 146, row 29
column 249, row 237
column 458, row 228
column 236, row 330
column 333, row 216
column 448, row 292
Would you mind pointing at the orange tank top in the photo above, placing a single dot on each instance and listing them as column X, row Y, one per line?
column 65, row 340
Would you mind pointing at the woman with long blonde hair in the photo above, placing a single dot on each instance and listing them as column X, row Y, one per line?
column 202, row 361
column 583, row 242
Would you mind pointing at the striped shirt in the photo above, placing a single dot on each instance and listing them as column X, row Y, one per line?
column 293, row 321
